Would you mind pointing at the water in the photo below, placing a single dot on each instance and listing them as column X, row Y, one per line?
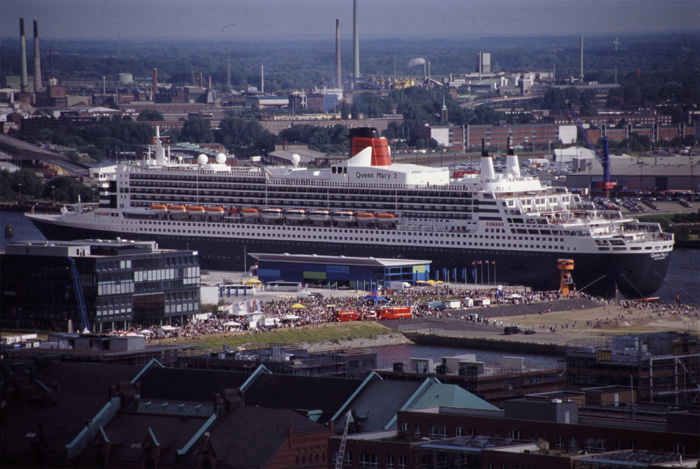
column 682, row 276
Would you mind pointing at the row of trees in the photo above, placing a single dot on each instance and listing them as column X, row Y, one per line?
column 25, row 185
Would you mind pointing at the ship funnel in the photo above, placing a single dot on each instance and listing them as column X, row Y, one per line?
column 160, row 151
column 364, row 137
column 487, row 171
column 512, row 163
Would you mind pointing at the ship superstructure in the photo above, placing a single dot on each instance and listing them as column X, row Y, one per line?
column 367, row 206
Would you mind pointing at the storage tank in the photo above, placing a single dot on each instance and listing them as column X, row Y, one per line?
column 125, row 78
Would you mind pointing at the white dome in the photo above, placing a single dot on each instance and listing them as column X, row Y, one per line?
column 202, row 159
column 296, row 159
column 221, row 158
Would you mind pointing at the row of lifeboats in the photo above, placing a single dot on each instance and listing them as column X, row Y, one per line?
column 272, row 213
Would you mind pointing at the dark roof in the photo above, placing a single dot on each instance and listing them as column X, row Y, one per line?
column 251, row 436
column 188, row 385
column 301, row 392
column 126, row 431
column 336, row 260
column 56, row 406
column 378, row 402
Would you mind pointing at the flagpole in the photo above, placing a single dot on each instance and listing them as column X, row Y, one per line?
column 494, row 272
column 488, row 273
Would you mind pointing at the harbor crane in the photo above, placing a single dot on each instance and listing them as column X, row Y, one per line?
column 78, row 287
column 603, row 157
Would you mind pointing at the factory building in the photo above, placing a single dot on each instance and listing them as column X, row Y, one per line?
column 659, row 174
column 122, row 283
column 355, row 272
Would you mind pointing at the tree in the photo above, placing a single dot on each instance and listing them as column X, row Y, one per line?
column 554, row 99
column 197, row 131
column 150, row 115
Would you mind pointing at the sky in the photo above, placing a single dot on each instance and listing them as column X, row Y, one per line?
column 231, row 19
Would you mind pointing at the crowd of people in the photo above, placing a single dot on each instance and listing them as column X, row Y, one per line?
column 314, row 311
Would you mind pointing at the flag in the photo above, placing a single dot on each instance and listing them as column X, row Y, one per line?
column 486, row 261
column 478, row 262
column 493, row 262
column 473, row 262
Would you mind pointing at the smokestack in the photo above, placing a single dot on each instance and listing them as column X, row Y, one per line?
column 23, row 53
column 37, row 59
column 201, row 80
column 155, row 84
column 338, row 72
column 210, row 82
column 581, row 54
column 355, row 42
column 262, row 78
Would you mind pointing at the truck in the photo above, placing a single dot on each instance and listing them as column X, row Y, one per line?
column 397, row 286
column 394, row 312
column 346, row 315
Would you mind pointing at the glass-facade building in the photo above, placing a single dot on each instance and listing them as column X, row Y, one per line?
column 124, row 284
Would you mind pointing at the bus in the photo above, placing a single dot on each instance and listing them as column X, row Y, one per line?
column 280, row 285
column 394, row 312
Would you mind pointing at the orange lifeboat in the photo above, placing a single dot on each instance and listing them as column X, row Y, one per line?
column 319, row 214
column 215, row 211
column 250, row 212
column 234, row 211
column 295, row 213
column 159, row 208
column 177, row 209
column 386, row 217
column 365, row 215
column 195, row 209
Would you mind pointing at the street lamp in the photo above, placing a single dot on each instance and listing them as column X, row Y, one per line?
column 53, row 194
column 20, row 192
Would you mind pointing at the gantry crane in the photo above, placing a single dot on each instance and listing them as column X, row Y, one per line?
column 603, row 157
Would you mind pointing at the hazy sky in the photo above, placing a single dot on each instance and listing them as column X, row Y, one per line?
column 67, row 19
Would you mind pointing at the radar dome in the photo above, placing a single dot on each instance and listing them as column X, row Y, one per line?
column 296, row 159
column 221, row 158
column 202, row 159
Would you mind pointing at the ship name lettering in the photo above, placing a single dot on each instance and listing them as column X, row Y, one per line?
column 102, row 214
column 491, row 223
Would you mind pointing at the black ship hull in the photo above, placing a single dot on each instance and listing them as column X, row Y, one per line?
column 601, row 274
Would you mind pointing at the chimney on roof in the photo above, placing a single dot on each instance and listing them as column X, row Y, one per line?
column 155, row 84
column 338, row 72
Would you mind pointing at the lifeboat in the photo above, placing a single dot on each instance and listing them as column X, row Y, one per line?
column 319, row 214
column 159, row 208
column 177, row 209
column 343, row 215
column 295, row 213
column 234, row 211
column 195, row 210
column 215, row 211
column 271, row 213
column 365, row 215
column 386, row 217
column 250, row 212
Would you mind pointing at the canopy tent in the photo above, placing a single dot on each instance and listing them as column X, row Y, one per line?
column 253, row 281
column 298, row 306
column 232, row 324
column 376, row 297
column 290, row 317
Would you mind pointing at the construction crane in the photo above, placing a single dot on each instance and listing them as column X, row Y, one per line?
column 603, row 157
column 341, row 451
column 78, row 287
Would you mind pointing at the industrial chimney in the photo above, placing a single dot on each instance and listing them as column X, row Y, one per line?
column 338, row 72
column 355, row 41
column 23, row 53
column 262, row 78
column 155, row 84
column 581, row 55
column 37, row 59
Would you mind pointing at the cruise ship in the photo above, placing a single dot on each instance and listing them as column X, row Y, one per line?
column 512, row 226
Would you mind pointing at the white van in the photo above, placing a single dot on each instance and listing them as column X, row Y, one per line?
column 397, row 285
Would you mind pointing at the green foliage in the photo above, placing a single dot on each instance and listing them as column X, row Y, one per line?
column 197, row 131
column 150, row 115
column 64, row 189
column 245, row 137
column 332, row 140
column 22, row 184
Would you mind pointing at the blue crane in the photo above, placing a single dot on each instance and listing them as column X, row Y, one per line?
column 603, row 157
column 78, row 287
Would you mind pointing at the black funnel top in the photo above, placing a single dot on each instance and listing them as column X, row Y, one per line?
column 366, row 132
